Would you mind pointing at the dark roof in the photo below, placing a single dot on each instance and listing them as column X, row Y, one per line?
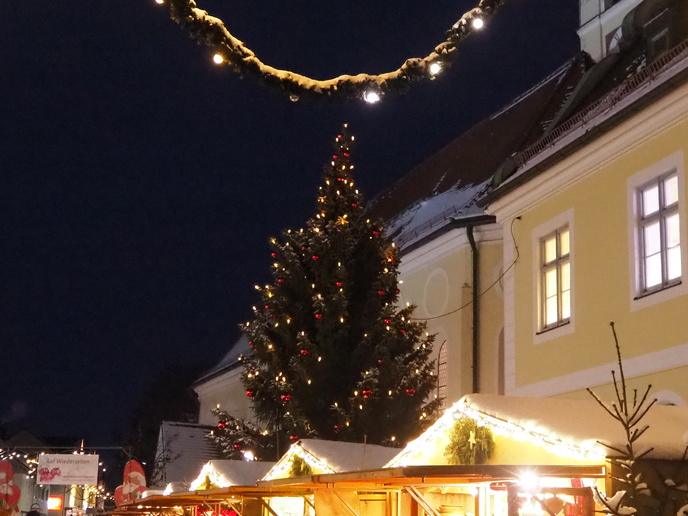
column 493, row 149
column 472, row 158
column 228, row 362
column 605, row 85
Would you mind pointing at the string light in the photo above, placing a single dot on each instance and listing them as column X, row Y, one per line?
column 218, row 59
column 210, row 30
column 371, row 97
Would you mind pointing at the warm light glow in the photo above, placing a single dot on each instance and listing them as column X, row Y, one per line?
column 248, row 455
column 478, row 23
column 54, row 503
column 218, row 59
column 371, row 97
column 159, row 2
column 435, row 68
column 529, row 481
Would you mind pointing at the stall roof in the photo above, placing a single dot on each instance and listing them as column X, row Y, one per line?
column 334, row 456
column 577, row 425
column 225, row 473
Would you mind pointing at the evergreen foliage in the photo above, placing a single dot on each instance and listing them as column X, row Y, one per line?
column 469, row 443
column 333, row 357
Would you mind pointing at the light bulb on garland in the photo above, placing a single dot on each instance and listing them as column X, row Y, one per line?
column 211, row 31
column 371, row 97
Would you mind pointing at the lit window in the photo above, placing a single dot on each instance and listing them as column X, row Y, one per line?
column 659, row 234
column 555, row 279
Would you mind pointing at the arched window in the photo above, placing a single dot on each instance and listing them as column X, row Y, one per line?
column 442, row 373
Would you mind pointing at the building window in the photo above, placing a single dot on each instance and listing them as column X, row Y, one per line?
column 555, row 278
column 659, row 234
column 442, row 374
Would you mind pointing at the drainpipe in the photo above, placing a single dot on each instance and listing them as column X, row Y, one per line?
column 476, row 308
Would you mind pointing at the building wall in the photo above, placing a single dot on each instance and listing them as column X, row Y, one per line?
column 437, row 278
column 226, row 390
column 592, row 189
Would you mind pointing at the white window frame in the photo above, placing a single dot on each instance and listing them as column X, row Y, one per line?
column 641, row 297
column 541, row 331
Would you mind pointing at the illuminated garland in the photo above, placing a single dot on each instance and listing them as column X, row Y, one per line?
column 469, row 443
column 212, row 32
column 583, row 451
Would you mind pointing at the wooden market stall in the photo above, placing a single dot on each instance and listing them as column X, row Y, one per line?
column 486, row 456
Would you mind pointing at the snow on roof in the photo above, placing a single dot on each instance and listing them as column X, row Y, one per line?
column 561, row 424
column 187, row 447
column 428, row 215
column 226, row 473
column 240, row 347
column 333, row 456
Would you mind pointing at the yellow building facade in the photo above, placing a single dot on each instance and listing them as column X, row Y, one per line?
column 599, row 227
column 438, row 278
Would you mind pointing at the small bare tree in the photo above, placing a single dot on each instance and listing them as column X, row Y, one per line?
column 664, row 498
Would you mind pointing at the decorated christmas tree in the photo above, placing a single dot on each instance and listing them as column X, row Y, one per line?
column 333, row 355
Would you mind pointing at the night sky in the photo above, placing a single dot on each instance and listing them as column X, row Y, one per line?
column 140, row 183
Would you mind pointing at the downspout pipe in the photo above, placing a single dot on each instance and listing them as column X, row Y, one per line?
column 476, row 308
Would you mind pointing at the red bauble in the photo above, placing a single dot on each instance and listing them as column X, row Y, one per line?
column 411, row 391
column 293, row 437
column 380, row 292
column 285, row 397
column 280, row 280
column 221, row 425
column 354, row 204
column 315, row 257
column 337, row 428
column 388, row 321
column 250, row 394
column 274, row 255
column 346, row 154
column 335, row 156
column 303, row 247
column 318, row 316
column 304, row 351
column 376, row 233
column 397, row 291
column 267, row 307
column 339, row 283
column 237, row 446
column 367, row 393
column 402, row 331
column 379, row 361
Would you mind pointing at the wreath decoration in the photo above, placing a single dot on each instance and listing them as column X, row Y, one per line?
column 299, row 467
column 469, row 443
column 212, row 32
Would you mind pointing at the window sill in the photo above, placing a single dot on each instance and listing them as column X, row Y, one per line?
column 657, row 290
column 554, row 332
column 552, row 328
column 654, row 297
